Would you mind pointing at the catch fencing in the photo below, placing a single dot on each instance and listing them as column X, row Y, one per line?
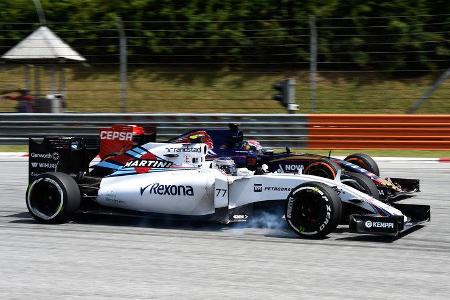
column 425, row 132
column 363, row 64
column 270, row 129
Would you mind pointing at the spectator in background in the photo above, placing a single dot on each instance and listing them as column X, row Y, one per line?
column 24, row 101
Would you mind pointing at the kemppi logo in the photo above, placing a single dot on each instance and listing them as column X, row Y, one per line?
column 371, row 224
column 116, row 135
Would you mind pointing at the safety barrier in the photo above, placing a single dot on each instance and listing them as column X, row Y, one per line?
column 271, row 129
column 426, row 132
column 421, row 132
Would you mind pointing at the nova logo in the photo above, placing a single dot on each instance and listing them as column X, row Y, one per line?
column 257, row 187
column 169, row 189
column 293, row 167
column 148, row 163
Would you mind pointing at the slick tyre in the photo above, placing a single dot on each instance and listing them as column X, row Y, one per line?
column 53, row 197
column 364, row 161
column 313, row 210
column 323, row 168
column 361, row 183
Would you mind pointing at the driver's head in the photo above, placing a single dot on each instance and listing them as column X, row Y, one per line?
column 226, row 164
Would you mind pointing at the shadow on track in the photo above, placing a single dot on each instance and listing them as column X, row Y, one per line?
column 380, row 238
column 280, row 231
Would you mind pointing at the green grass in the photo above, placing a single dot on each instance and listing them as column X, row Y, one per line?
column 13, row 148
column 178, row 89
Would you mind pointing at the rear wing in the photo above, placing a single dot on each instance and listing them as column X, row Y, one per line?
column 118, row 139
column 70, row 155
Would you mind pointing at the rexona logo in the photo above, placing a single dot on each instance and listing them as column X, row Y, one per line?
column 168, row 189
column 257, row 187
column 148, row 163
column 116, row 135
column 370, row 224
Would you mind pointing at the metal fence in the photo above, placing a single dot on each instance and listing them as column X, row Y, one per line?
column 313, row 131
column 132, row 70
column 270, row 129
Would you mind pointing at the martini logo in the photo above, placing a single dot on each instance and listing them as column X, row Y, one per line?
column 168, row 189
column 148, row 163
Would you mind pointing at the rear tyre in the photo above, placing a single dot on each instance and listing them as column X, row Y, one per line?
column 313, row 210
column 361, row 183
column 364, row 161
column 322, row 168
column 53, row 197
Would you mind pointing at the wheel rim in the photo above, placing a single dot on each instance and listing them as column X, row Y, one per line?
column 45, row 198
column 310, row 211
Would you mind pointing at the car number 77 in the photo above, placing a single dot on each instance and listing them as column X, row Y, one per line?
column 223, row 191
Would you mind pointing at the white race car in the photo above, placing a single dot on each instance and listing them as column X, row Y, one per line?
column 163, row 179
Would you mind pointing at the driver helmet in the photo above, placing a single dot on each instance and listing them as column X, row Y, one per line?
column 226, row 165
column 251, row 145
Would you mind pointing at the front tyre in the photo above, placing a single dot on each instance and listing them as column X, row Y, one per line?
column 322, row 168
column 313, row 209
column 53, row 197
column 364, row 161
column 360, row 182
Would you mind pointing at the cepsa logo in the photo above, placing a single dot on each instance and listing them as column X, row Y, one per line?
column 116, row 135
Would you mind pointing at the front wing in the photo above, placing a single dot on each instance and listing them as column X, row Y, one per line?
column 391, row 225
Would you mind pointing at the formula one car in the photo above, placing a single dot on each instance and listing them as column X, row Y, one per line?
column 174, row 179
column 230, row 142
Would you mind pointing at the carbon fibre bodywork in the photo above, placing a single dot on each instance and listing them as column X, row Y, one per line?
column 250, row 154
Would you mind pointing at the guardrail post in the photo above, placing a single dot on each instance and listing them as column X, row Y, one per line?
column 416, row 105
column 123, row 65
column 313, row 61
column 27, row 80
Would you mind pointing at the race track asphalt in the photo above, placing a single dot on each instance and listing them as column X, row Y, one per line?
column 129, row 258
